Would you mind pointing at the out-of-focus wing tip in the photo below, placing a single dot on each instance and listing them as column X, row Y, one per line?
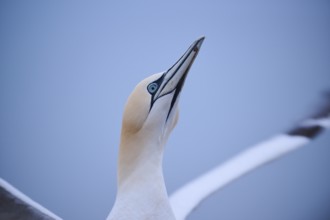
column 14, row 205
column 313, row 125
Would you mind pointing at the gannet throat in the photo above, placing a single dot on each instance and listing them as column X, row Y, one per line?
column 150, row 114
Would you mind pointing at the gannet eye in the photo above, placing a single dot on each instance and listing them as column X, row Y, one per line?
column 152, row 87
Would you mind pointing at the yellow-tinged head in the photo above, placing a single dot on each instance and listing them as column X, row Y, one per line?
column 152, row 106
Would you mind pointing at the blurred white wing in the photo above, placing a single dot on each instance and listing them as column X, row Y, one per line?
column 188, row 197
column 16, row 205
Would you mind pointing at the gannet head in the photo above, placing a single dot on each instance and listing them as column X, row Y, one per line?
column 152, row 106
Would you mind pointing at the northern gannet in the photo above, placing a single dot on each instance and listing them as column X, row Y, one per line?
column 150, row 115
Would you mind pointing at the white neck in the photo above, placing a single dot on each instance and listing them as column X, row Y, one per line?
column 141, row 188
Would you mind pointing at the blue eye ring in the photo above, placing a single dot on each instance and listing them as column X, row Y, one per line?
column 152, row 87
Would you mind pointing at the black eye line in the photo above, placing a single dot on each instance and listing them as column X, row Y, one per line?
column 158, row 82
column 176, row 91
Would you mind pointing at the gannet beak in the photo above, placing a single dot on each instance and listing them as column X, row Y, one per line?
column 173, row 79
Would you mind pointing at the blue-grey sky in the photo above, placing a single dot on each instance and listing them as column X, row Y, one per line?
column 66, row 69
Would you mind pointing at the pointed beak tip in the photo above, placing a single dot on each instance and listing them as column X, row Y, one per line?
column 199, row 42
column 201, row 39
